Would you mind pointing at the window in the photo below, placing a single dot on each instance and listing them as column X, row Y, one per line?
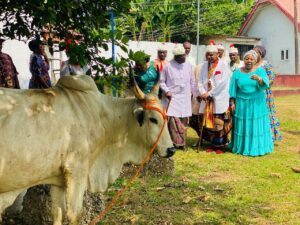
column 284, row 54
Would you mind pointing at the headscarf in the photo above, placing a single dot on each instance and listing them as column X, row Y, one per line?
column 34, row 44
column 253, row 53
column 262, row 50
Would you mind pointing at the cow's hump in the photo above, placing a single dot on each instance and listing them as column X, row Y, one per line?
column 79, row 82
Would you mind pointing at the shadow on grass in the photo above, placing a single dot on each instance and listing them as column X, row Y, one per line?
column 293, row 132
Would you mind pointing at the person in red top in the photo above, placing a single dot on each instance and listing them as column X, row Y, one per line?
column 8, row 72
column 161, row 60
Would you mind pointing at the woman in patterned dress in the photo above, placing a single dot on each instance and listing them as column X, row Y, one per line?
column 39, row 66
column 275, row 125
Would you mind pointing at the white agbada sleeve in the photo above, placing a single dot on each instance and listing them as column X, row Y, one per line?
column 220, row 83
column 194, row 88
column 163, row 80
column 201, row 87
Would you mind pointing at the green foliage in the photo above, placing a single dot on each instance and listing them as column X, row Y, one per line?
column 140, row 57
column 24, row 19
column 174, row 20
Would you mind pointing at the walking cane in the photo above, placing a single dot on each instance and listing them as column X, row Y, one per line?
column 201, row 130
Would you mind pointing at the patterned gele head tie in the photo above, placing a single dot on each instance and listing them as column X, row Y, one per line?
column 262, row 50
column 253, row 53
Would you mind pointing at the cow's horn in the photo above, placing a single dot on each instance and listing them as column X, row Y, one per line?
column 135, row 87
column 155, row 88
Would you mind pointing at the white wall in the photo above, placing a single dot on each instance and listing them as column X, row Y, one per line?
column 151, row 49
column 276, row 33
column 20, row 54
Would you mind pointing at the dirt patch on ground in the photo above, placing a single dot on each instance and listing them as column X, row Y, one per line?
column 218, row 177
column 156, row 166
column 37, row 208
column 37, row 201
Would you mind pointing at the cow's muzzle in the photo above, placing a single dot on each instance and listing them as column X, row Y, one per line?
column 170, row 152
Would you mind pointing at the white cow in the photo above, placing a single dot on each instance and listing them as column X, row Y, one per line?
column 75, row 138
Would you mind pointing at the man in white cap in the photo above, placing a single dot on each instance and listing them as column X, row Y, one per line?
column 188, row 47
column 161, row 60
column 221, row 50
column 213, row 87
column 235, row 62
column 177, row 83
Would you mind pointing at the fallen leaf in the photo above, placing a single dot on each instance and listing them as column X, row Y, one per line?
column 278, row 175
column 159, row 188
column 187, row 199
column 134, row 219
column 201, row 188
column 185, row 179
column 203, row 198
column 218, row 189
column 187, row 190
column 296, row 170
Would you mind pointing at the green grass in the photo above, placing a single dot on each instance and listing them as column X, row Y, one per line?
column 284, row 88
column 221, row 189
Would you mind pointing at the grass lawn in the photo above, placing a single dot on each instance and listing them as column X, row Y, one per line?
column 284, row 88
column 207, row 188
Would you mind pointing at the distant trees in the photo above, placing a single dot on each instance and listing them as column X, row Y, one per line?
column 23, row 19
column 174, row 20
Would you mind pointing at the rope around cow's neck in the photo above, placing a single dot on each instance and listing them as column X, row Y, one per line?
column 118, row 195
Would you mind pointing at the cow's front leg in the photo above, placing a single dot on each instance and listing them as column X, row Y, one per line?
column 75, row 180
column 58, row 204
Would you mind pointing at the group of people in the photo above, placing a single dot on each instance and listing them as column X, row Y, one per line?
column 39, row 63
column 39, row 66
column 228, row 103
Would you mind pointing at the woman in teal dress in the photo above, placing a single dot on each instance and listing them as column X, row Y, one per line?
column 251, row 135
column 147, row 75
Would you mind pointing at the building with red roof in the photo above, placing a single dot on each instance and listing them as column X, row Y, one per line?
column 273, row 22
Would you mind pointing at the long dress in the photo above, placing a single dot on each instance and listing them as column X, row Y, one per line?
column 251, row 134
column 8, row 72
column 275, row 125
column 39, row 73
column 179, row 80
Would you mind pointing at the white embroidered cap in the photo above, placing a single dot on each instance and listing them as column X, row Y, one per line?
column 178, row 50
column 211, row 47
column 232, row 49
column 162, row 48
column 220, row 46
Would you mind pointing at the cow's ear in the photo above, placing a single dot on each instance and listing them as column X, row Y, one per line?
column 139, row 115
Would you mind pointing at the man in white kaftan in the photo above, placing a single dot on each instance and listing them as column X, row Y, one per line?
column 213, row 87
column 178, row 83
column 235, row 62
column 188, row 47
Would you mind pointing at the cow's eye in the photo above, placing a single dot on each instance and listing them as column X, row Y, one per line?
column 153, row 120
